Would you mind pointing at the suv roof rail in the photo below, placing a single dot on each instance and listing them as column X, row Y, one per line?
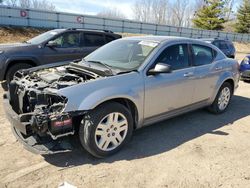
column 106, row 31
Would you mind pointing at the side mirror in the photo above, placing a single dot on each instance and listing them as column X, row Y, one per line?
column 160, row 68
column 51, row 44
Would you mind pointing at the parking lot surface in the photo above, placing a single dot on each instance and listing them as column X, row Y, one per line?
column 197, row 149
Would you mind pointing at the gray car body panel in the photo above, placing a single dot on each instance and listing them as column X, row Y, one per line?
column 161, row 96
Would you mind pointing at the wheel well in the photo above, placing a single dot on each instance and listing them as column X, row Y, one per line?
column 231, row 82
column 14, row 62
column 128, row 104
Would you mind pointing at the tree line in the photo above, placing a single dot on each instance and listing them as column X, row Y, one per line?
column 229, row 15
column 36, row 4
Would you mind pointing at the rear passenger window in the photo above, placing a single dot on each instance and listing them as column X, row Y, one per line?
column 203, row 55
column 93, row 39
column 176, row 56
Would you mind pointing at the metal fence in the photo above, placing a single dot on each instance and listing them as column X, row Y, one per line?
column 16, row 16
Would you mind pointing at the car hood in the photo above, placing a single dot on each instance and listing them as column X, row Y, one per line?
column 8, row 46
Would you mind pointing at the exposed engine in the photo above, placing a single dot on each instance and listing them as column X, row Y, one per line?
column 33, row 96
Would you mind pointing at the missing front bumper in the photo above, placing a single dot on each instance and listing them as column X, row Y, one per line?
column 34, row 143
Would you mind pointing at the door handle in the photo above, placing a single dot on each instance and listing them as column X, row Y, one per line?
column 188, row 74
column 218, row 68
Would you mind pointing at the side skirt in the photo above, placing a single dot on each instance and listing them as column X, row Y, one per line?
column 174, row 113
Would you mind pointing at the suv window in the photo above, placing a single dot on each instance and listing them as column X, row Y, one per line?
column 93, row 39
column 68, row 40
column 223, row 45
column 109, row 38
column 202, row 55
column 176, row 56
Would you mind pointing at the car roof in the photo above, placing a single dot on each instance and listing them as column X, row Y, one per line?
column 214, row 39
column 161, row 39
column 88, row 30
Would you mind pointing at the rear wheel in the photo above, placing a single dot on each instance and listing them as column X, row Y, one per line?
column 222, row 99
column 11, row 72
column 105, row 130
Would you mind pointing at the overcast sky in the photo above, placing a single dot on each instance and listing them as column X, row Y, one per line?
column 94, row 6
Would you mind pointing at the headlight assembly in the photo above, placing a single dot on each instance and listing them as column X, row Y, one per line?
column 246, row 60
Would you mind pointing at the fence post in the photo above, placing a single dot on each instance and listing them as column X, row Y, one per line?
column 156, row 29
column 122, row 26
column 57, row 20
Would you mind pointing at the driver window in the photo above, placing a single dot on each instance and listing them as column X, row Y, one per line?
column 68, row 40
column 176, row 56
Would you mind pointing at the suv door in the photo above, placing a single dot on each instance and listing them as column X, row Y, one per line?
column 67, row 48
column 206, row 72
column 92, row 41
column 170, row 91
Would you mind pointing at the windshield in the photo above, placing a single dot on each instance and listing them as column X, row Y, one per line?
column 43, row 37
column 123, row 54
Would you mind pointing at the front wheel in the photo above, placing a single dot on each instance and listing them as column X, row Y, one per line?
column 222, row 99
column 106, row 129
column 11, row 72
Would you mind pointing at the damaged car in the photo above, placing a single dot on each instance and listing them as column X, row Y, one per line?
column 124, row 85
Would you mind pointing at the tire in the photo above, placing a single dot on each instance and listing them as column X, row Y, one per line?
column 11, row 72
column 95, row 129
column 4, row 86
column 215, row 107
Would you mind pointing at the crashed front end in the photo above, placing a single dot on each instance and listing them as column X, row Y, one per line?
column 36, row 111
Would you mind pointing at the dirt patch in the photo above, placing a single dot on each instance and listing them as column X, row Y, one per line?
column 18, row 34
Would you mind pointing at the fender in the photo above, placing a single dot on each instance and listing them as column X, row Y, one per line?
column 87, row 96
column 10, row 60
column 225, row 76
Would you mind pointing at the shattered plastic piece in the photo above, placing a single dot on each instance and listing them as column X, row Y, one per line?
column 66, row 185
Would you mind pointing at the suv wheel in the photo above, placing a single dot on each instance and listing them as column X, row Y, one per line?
column 106, row 129
column 222, row 99
column 11, row 72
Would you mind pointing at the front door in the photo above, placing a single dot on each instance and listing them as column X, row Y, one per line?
column 67, row 49
column 170, row 91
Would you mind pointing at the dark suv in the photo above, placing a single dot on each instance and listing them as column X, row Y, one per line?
column 226, row 46
column 54, row 46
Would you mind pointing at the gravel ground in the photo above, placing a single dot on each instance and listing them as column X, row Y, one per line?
column 197, row 149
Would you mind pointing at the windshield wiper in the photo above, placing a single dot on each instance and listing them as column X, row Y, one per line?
column 103, row 64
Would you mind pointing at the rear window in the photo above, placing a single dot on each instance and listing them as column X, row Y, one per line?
column 93, row 39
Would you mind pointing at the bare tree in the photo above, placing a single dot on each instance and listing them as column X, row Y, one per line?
column 43, row 4
column 142, row 10
column 12, row 3
column 25, row 3
column 151, row 11
column 37, row 4
column 179, row 8
column 112, row 13
column 159, row 10
column 229, row 4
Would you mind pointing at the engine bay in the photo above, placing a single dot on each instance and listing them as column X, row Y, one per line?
column 32, row 95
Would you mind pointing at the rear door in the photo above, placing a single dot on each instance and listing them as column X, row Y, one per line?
column 206, row 72
column 68, row 48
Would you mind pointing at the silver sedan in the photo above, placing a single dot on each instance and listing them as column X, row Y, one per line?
column 124, row 85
